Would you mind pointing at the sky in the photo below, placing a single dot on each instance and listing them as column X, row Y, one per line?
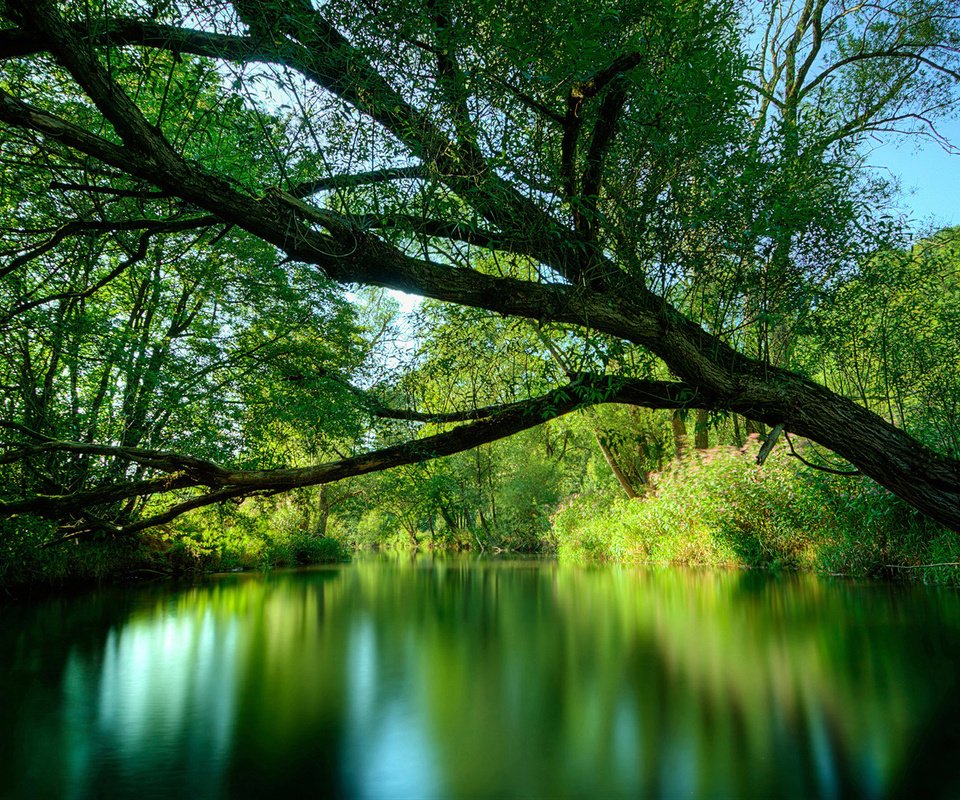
column 930, row 177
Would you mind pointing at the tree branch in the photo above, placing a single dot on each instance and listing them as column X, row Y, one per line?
column 489, row 424
column 847, row 473
column 370, row 178
column 136, row 257
column 867, row 55
column 604, row 130
column 72, row 228
column 326, row 57
column 126, row 118
column 439, row 228
column 139, row 194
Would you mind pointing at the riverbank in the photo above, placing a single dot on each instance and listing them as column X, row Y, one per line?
column 713, row 509
column 28, row 562
column 719, row 509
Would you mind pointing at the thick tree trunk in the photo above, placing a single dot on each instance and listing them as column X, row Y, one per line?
column 679, row 427
column 928, row 481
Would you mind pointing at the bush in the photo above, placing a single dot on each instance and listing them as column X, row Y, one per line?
column 28, row 559
column 254, row 537
column 209, row 541
column 718, row 508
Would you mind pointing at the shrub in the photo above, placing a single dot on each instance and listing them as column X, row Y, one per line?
column 718, row 508
column 209, row 541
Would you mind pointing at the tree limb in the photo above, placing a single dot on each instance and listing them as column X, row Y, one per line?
column 604, row 130
column 491, row 424
column 77, row 226
column 333, row 182
column 327, row 58
column 626, row 308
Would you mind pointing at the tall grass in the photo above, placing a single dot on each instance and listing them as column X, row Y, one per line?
column 718, row 508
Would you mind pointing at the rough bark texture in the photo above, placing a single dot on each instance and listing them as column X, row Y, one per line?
column 679, row 427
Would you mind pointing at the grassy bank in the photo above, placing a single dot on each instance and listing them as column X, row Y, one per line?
column 717, row 508
column 198, row 545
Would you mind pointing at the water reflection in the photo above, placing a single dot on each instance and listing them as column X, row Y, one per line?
column 457, row 678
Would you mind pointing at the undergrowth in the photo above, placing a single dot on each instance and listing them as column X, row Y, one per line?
column 718, row 508
column 197, row 545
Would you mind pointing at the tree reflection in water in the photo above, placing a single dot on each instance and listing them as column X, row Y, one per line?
column 463, row 678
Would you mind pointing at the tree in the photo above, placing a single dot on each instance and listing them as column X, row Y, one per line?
column 617, row 169
column 892, row 339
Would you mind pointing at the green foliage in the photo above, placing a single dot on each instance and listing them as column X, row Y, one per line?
column 21, row 559
column 891, row 337
column 161, row 342
column 719, row 509
column 745, row 205
column 208, row 542
column 243, row 544
column 497, row 497
column 256, row 534
column 25, row 558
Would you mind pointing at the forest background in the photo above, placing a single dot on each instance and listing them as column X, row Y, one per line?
column 651, row 245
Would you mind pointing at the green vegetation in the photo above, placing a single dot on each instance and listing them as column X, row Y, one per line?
column 718, row 508
column 196, row 546
column 635, row 230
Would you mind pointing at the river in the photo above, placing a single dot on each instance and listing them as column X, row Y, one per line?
column 471, row 678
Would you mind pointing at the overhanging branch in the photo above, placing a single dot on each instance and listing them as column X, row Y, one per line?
column 626, row 308
column 311, row 46
column 79, row 226
column 490, row 424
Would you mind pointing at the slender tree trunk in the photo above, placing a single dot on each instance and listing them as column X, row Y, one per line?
column 680, row 442
column 615, row 468
column 701, row 434
column 323, row 512
column 447, row 518
column 608, row 454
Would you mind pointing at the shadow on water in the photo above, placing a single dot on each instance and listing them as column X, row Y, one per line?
column 442, row 677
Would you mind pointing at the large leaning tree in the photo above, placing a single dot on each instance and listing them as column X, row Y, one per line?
column 682, row 177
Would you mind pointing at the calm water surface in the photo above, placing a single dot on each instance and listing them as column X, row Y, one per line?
column 470, row 679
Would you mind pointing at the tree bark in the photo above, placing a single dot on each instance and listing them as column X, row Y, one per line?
column 679, row 427
column 701, row 437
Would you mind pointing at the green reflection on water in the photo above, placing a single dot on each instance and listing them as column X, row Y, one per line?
column 459, row 678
